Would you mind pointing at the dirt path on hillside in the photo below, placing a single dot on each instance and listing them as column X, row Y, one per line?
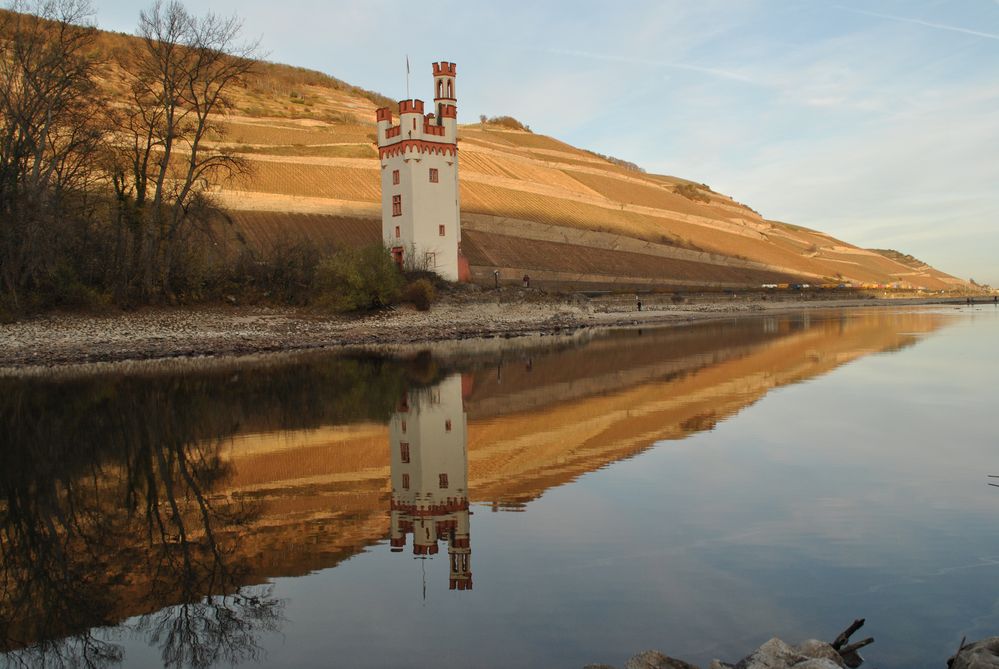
column 61, row 340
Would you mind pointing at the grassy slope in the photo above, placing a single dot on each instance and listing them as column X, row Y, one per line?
column 309, row 138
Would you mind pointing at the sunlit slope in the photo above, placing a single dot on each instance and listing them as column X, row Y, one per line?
column 309, row 140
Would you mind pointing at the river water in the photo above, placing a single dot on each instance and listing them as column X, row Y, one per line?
column 535, row 502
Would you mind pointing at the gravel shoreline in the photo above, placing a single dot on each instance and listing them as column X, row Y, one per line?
column 64, row 339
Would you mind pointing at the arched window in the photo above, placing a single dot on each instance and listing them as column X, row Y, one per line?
column 450, row 89
column 440, row 88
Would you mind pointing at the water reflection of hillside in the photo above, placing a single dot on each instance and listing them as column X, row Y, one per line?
column 284, row 470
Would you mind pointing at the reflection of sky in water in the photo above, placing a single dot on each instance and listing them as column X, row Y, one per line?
column 861, row 493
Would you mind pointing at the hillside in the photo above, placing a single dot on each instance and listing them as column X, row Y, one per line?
column 530, row 203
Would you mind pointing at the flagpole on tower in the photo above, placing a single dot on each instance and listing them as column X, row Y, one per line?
column 407, row 76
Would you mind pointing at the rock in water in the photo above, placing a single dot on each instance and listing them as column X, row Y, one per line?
column 774, row 654
column 653, row 659
column 982, row 654
column 820, row 650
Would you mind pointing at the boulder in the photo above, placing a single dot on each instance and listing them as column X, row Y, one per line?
column 820, row 650
column 653, row 659
column 774, row 654
column 820, row 663
column 982, row 654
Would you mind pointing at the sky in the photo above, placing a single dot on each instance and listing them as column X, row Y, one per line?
column 876, row 121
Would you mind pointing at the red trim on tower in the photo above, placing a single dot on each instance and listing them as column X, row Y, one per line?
column 384, row 114
column 418, row 145
column 450, row 506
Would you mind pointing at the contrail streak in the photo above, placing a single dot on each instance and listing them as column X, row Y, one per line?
column 918, row 22
column 725, row 74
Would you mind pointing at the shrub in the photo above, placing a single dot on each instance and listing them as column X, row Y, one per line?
column 691, row 192
column 357, row 280
column 283, row 273
column 626, row 164
column 420, row 294
column 507, row 122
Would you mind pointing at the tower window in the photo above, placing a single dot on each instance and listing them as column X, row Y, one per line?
column 397, row 206
column 442, row 480
column 395, row 177
column 398, row 232
column 405, row 481
column 404, row 427
column 404, row 450
column 440, row 230
column 447, row 425
column 433, row 175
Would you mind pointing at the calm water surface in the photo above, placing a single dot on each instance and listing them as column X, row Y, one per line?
column 548, row 502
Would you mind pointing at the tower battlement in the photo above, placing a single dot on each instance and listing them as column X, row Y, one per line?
column 410, row 107
column 445, row 69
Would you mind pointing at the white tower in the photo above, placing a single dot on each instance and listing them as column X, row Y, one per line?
column 419, row 162
column 427, row 438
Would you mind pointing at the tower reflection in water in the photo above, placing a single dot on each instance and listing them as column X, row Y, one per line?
column 428, row 441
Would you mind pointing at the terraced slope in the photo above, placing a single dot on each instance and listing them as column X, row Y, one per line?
column 310, row 141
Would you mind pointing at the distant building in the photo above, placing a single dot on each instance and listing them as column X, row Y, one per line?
column 419, row 162
column 428, row 438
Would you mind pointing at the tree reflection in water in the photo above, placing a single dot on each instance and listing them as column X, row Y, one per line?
column 85, row 523
column 112, row 504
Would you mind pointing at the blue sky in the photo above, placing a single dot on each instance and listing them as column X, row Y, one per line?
column 876, row 121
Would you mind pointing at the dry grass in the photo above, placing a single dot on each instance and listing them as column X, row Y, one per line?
column 313, row 151
column 324, row 181
column 649, row 194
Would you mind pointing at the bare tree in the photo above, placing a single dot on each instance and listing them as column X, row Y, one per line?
column 49, row 134
column 184, row 72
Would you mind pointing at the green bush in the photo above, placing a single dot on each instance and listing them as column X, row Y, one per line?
column 420, row 294
column 357, row 280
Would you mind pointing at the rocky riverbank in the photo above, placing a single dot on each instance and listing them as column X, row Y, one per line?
column 61, row 339
column 812, row 654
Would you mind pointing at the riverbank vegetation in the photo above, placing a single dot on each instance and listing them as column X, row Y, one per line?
column 108, row 201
